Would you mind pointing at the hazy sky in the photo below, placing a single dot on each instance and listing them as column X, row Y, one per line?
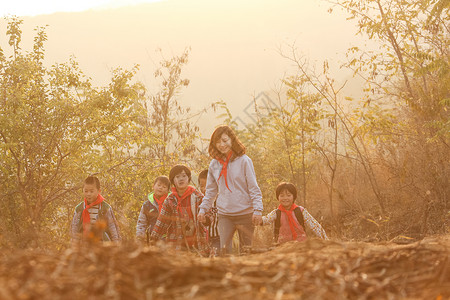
column 234, row 43
column 39, row 7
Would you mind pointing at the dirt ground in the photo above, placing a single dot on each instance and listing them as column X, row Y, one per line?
column 315, row 269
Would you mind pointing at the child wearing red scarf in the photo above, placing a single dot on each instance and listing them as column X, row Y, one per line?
column 290, row 219
column 151, row 208
column 94, row 219
column 213, row 231
column 178, row 216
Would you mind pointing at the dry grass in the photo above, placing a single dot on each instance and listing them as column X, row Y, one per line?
column 313, row 270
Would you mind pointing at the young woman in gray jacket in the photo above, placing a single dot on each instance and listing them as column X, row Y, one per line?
column 231, row 177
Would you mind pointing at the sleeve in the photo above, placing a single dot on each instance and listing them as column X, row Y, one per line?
column 113, row 227
column 142, row 223
column 312, row 224
column 163, row 222
column 211, row 191
column 76, row 235
column 253, row 188
column 270, row 218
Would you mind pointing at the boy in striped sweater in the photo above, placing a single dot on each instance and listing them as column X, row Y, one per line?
column 93, row 219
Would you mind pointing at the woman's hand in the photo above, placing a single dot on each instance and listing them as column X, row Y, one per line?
column 257, row 220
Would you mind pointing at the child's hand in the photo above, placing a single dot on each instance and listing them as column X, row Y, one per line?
column 257, row 220
column 201, row 217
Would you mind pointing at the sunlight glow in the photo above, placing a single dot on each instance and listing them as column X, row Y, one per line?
column 42, row 7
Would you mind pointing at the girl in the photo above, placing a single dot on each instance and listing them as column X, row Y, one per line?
column 290, row 219
column 231, row 177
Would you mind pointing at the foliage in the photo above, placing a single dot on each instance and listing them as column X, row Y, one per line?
column 373, row 168
column 56, row 128
column 407, row 84
column 391, row 146
column 171, row 122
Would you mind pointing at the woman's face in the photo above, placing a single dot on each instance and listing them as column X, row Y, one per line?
column 224, row 144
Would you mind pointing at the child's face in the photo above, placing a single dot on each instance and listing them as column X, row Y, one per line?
column 286, row 199
column 90, row 192
column 160, row 189
column 181, row 180
column 202, row 184
column 224, row 144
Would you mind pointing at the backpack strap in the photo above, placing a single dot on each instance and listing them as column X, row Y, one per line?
column 277, row 225
column 79, row 208
column 298, row 211
column 104, row 207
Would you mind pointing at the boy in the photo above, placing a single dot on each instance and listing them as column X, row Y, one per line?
column 178, row 216
column 151, row 208
column 94, row 219
column 290, row 219
column 214, row 239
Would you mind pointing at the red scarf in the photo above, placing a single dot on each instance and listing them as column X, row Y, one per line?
column 85, row 215
column 160, row 201
column 290, row 216
column 224, row 168
column 186, row 195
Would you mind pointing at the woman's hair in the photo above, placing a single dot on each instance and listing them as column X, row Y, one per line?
column 236, row 146
column 286, row 186
column 177, row 170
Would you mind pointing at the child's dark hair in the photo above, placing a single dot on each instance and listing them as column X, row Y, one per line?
column 282, row 186
column 163, row 179
column 236, row 146
column 203, row 175
column 92, row 180
column 177, row 170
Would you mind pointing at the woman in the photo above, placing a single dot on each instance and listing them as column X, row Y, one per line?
column 231, row 177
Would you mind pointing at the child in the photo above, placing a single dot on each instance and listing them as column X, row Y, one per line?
column 289, row 219
column 94, row 215
column 178, row 216
column 232, row 179
column 151, row 208
column 213, row 232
